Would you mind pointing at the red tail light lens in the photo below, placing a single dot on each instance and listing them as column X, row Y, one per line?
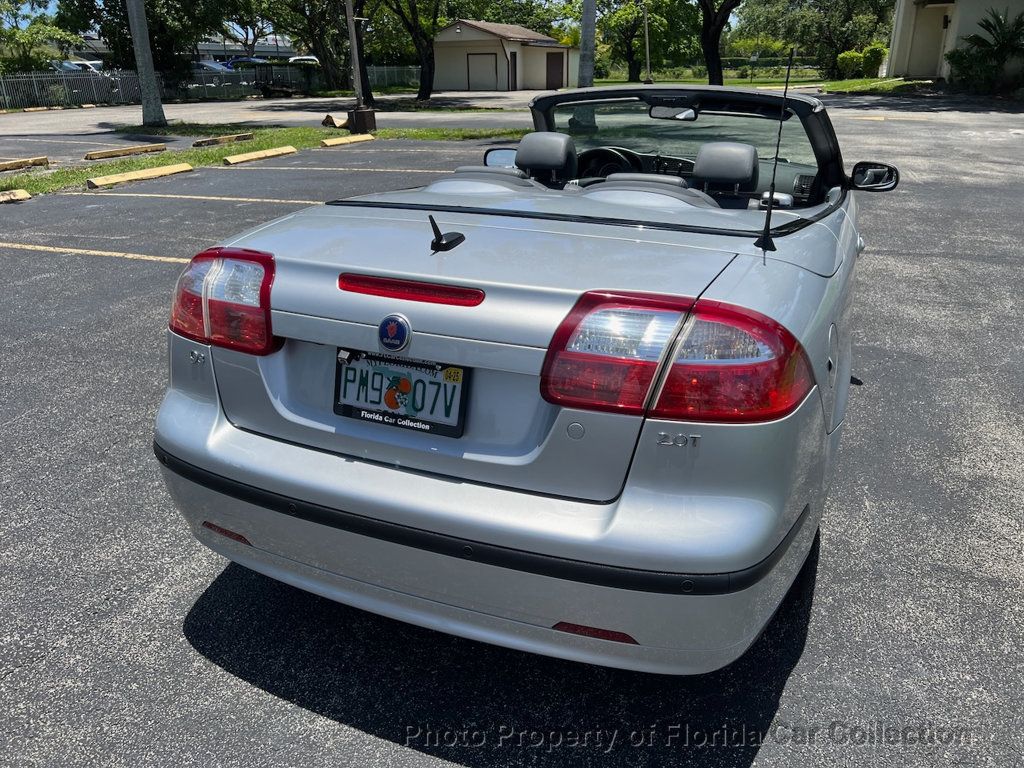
column 734, row 365
column 596, row 632
column 411, row 290
column 605, row 353
column 223, row 298
column 730, row 365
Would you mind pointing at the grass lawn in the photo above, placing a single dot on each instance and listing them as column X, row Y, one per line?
column 739, row 82
column 872, row 85
column 265, row 137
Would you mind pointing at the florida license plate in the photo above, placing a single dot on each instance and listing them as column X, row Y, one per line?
column 420, row 395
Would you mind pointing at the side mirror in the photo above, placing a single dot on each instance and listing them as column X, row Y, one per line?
column 874, row 177
column 500, row 157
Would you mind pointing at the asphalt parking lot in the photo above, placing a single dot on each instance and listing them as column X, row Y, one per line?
column 124, row 642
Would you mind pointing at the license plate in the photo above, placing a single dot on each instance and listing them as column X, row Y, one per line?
column 420, row 395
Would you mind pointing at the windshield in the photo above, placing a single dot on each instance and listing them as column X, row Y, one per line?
column 626, row 123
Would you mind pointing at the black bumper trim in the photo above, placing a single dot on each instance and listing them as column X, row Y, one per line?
column 490, row 554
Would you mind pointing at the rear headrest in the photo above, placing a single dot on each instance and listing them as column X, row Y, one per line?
column 727, row 163
column 547, row 155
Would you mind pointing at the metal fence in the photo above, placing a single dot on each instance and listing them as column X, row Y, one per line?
column 381, row 77
column 69, row 89
column 66, row 89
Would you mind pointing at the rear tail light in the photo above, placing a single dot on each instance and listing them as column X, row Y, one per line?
column 729, row 364
column 223, row 298
column 736, row 365
column 605, row 353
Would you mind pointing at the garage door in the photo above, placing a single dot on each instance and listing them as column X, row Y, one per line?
column 482, row 71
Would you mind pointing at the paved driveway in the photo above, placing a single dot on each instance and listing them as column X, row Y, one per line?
column 123, row 642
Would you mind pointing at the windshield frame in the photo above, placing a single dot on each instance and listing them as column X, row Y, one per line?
column 810, row 112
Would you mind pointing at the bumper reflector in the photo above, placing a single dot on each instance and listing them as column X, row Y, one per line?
column 596, row 632
column 225, row 532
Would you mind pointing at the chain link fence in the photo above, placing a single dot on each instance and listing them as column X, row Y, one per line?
column 71, row 89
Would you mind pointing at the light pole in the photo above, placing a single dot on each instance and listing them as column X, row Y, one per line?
column 361, row 119
column 647, row 47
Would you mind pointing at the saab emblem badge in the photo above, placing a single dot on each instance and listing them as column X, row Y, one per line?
column 393, row 333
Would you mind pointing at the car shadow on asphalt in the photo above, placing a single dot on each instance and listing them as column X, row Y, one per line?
column 480, row 705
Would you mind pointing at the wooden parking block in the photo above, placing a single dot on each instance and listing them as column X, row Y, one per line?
column 135, row 149
column 228, row 139
column 148, row 173
column 263, row 154
column 27, row 162
column 14, row 196
column 338, row 141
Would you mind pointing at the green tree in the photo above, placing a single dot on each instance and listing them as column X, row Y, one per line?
column 821, row 28
column 672, row 25
column 421, row 19
column 246, row 22
column 29, row 37
column 176, row 27
column 714, row 15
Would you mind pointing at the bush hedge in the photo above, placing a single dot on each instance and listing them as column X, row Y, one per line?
column 851, row 64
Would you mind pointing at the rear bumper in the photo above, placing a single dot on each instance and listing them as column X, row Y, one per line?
column 683, row 623
column 692, row 576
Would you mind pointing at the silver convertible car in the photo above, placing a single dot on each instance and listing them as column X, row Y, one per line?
column 582, row 400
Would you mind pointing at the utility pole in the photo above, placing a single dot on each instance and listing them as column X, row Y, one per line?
column 361, row 119
column 152, row 108
column 587, row 23
column 647, row 47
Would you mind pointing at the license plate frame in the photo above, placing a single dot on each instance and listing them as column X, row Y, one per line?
column 387, row 417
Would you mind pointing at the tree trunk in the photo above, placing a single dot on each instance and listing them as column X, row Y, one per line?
column 710, row 38
column 426, row 53
column 587, row 23
column 633, row 68
column 152, row 108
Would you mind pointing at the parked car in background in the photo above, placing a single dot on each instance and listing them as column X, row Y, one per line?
column 206, row 66
column 583, row 400
column 304, row 60
column 241, row 62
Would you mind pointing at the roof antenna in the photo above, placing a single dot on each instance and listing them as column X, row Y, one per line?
column 444, row 242
column 765, row 242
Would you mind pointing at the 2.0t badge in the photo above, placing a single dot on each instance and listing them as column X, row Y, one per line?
column 393, row 333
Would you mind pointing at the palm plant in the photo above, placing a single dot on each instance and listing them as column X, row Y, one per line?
column 1005, row 39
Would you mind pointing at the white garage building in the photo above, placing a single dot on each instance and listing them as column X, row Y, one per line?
column 481, row 56
column 923, row 31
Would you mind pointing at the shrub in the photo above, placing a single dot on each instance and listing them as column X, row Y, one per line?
column 874, row 55
column 850, row 64
column 743, row 73
column 973, row 70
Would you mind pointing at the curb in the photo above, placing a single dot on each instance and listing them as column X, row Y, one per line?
column 28, row 162
column 148, row 173
column 261, row 155
column 137, row 149
column 222, row 139
column 15, row 196
column 340, row 140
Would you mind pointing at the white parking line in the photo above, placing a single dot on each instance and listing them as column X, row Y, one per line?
column 216, row 198
column 324, row 168
column 90, row 252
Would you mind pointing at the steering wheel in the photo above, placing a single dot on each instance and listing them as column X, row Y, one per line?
column 602, row 161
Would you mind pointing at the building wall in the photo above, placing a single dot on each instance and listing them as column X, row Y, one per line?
column 451, row 66
column 919, row 43
column 535, row 63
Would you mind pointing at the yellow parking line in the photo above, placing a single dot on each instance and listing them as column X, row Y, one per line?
column 328, row 168
column 867, row 117
column 199, row 197
column 90, row 252
column 64, row 141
